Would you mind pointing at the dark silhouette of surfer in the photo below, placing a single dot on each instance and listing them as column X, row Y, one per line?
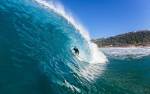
column 76, row 50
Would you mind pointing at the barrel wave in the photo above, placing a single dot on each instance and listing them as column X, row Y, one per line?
column 36, row 42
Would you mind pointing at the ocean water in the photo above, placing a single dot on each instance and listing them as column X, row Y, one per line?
column 36, row 57
column 127, row 72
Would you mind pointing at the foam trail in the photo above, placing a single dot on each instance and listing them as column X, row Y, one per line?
column 97, row 56
column 92, row 71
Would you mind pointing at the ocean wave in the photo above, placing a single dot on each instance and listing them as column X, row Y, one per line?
column 97, row 57
column 36, row 42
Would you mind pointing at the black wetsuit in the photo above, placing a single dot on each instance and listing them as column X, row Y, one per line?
column 76, row 50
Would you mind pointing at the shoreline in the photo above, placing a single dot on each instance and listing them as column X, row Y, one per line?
column 125, row 47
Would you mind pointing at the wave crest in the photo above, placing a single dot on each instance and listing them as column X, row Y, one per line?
column 97, row 56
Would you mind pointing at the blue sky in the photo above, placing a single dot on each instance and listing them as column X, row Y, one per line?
column 105, row 18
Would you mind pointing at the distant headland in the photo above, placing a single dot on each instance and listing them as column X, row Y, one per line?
column 131, row 39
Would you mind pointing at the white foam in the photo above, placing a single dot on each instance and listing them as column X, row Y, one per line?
column 92, row 71
column 123, row 53
column 97, row 56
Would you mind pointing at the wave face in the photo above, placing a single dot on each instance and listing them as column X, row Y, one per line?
column 36, row 40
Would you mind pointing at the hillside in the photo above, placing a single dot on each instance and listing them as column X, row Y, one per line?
column 138, row 38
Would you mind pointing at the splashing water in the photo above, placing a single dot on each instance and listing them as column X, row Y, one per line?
column 36, row 42
column 97, row 56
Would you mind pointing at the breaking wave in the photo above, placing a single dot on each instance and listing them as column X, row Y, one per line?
column 36, row 41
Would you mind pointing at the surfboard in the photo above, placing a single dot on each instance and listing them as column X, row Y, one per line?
column 77, row 56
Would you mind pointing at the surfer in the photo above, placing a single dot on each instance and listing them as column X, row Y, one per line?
column 76, row 51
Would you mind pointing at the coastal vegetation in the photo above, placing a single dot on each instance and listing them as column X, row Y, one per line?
column 137, row 38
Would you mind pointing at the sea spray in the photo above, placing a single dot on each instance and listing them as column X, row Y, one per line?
column 36, row 51
column 36, row 57
column 96, row 55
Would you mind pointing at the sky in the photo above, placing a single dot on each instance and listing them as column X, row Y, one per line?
column 104, row 18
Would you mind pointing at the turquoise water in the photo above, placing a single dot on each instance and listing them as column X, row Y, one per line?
column 128, row 71
column 36, row 56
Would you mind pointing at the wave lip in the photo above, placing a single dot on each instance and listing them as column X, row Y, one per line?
column 97, row 56
column 37, row 38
